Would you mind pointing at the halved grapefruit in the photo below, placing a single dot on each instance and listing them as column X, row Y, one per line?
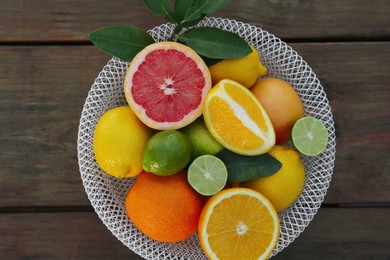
column 166, row 85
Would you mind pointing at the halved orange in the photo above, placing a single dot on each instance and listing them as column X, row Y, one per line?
column 237, row 120
column 238, row 223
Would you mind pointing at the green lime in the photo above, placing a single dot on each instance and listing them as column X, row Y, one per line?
column 309, row 136
column 166, row 153
column 202, row 142
column 207, row 174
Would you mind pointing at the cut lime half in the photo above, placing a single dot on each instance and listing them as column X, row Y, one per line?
column 207, row 174
column 309, row 136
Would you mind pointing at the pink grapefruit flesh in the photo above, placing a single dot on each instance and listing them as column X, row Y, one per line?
column 166, row 84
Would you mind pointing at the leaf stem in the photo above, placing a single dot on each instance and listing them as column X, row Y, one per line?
column 175, row 33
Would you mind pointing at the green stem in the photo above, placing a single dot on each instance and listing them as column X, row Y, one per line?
column 176, row 31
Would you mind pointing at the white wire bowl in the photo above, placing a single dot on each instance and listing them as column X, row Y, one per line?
column 107, row 194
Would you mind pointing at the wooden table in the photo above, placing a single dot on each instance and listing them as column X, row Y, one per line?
column 47, row 66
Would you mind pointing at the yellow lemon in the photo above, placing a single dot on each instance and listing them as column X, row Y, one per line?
column 283, row 187
column 244, row 70
column 119, row 141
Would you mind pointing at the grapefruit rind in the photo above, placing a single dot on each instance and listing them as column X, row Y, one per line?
column 142, row 112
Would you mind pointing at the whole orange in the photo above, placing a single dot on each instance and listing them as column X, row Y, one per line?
column 282, row 104
column 165, row 208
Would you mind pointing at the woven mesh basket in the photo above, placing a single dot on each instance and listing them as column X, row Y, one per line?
column 107, row 193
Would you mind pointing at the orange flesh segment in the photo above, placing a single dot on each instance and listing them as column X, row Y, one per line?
column 248, row 104
column 230, row 128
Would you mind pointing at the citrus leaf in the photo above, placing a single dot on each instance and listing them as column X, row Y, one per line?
column 160, row 7
column 190, row 12
column 170, row 18
column 187, row 12
column 210, row 6
column 216, row 43
column 209, row 62
column 191, row 20
column 182, row 9
column 243, row 168
column 192, row 15
column 123, row 41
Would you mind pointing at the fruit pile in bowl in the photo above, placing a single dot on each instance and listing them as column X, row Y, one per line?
column 191, row 154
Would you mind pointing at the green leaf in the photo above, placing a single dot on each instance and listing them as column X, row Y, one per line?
column 187, row 13
column 243, row 168
column 216, row 43
column 190, row 12
column 210, row 6
column 170, row 18
column 191, row 20
column 182, row 9
column 160, row 7
column 192, row 15
column 123, row 41
column 209, row 62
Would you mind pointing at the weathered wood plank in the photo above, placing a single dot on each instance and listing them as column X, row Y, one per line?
column 335, row 233
column 58, row 236
column 343, row 233
column 42, row 92
column 41, row 102
column 72, row 20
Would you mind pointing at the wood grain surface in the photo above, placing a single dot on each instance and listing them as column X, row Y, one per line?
column 347, row 233
column 72, row 20
column 47, row 66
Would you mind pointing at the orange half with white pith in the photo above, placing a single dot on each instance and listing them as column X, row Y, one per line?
column 238, row 223
column 237, row 120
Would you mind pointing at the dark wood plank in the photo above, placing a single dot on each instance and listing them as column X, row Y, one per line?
column 42, row 91
column 41, row 103
column 72, row 20
column 344, row 233
column 59, row 236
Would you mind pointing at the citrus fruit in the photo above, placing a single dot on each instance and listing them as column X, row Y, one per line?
column 207, row 174
column 282, row 104
column 118, row 142
column 237, row 120
column 166, row 152
column 309, row 136
column 283, row 187
column 165, row 209
column 166, row 84
column 202, row 142
column 238, row 223
column 244, row 70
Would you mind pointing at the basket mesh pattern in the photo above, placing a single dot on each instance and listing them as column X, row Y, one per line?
column 107, row 193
